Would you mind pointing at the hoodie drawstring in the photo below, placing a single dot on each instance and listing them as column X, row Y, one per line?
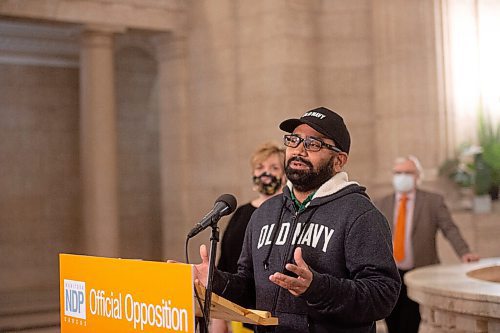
column 275, row 235
column 286, row 257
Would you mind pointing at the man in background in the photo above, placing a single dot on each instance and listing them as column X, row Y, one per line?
column 415, row 216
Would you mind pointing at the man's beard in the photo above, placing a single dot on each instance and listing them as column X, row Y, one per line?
column 309, row 179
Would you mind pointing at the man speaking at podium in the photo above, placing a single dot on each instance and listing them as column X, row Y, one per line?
column 320, row 254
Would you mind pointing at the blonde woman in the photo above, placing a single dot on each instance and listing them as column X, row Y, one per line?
column 268, row 177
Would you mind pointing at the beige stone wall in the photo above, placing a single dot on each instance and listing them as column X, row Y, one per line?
column 408, row 109
column 346, row 79
column 226, row 81
column 480, row 231
column 198, row 88
column 138, row 152
column 39, row 174
column 40, row 213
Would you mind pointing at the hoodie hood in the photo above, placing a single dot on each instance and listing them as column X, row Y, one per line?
column 335, row 185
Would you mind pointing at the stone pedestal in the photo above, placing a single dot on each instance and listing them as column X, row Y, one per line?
column 453, row 298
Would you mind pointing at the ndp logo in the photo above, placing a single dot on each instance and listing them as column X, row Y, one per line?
column 74, row 299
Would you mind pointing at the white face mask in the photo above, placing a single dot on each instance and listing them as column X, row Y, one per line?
column 403, row 182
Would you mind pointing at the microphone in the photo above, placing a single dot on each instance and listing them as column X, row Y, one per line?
column 224, row 205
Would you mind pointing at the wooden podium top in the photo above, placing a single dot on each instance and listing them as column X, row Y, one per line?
column 221, row 308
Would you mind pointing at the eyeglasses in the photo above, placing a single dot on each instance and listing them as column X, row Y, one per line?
column 310, row 143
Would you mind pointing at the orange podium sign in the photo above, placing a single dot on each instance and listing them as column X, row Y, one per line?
column 122, row 295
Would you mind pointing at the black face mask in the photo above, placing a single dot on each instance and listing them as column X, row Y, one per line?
column 308, row 180
column 266, row 183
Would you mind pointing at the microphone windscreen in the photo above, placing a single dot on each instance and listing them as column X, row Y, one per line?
column 230, row 200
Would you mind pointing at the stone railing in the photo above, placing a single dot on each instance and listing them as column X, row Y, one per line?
column 457, row 298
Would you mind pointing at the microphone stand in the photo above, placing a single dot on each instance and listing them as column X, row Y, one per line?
column 214, row 239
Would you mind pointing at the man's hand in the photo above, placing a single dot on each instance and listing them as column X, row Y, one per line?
column 200, row 270
column 470, row 257
column 296, row 286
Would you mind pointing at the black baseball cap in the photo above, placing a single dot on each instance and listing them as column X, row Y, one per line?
column 326, row 122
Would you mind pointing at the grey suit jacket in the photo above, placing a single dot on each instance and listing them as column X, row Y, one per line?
column 430, row 215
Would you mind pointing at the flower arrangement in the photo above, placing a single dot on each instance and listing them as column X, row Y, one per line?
column 460, row 169
column 489, row 139
column 477, row 166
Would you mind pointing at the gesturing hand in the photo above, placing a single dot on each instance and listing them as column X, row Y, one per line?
column 296, row 286
column 201, row 270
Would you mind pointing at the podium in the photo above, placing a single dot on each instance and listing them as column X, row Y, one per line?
column 222, row 308
column 125, row 295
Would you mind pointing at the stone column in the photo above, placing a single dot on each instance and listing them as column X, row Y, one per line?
column 174, row 147
column 408, row 87
column 98, row 143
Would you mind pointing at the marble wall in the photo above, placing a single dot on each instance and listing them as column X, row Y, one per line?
column 197, row 89
column 39, row 173
column 138, row 152
column 40, row 202
column 197, row 98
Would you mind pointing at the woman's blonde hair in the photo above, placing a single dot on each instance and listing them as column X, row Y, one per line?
column 263, row 152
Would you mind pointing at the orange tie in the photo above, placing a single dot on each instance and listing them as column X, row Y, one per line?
column 399, row 232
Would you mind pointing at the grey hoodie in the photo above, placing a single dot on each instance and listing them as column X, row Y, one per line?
column 347, row 244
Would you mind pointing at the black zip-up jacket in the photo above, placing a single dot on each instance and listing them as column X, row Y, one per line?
column 345, row 241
